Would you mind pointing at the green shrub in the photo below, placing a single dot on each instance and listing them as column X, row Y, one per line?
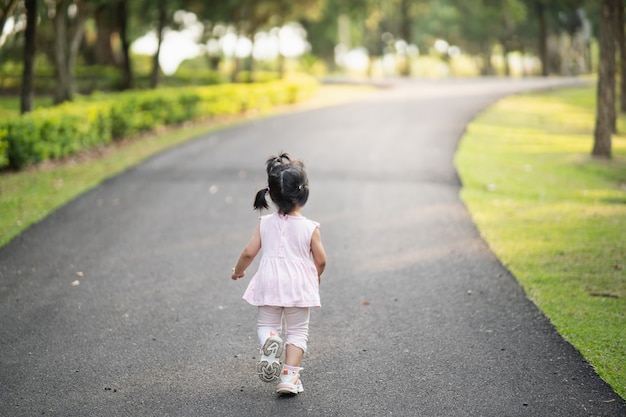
column 4, row 147
column 21, row 136
column 64, row 130
column 194, row 76
column 87, row 78
column 256, row 76
column 54, row 133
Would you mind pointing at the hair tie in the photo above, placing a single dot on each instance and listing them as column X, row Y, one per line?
column 267, row 190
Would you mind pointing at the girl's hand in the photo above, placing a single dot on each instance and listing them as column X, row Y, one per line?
column 235, row 276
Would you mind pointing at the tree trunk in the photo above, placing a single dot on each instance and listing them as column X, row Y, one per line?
column 214, row 63
column 405, row 34
column 28, row 76
column 63, row 88
column 127, row 71
column 251, row 68
column 606, row 83
column 282, row 64
column 104, row 54
column 505, row 57
column 543, row 38
column 74, row 44
column 619, row 26
column 67, row 42
column 236, row 69
column 613, row 69
column 155, row 76
column 487, row 69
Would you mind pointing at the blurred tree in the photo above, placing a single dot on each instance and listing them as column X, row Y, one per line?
column 163, row 17
column 439, row 20
column 128, row 80
column 323, row 32
column 474, row 25
column 105, row 18
column 551, row 17
column 540, row 10
column 287, row 10
column 250, row 16
column 481, row 26
column 111, row 24
column 605, row 112
column 619, row 26
column 28, row 73
column 6, row 10
column 390, row 26
column 499, row 22
column 546, row 14
column 514, row 13
column 68, row 19
column 215, row 15
column 363, row 22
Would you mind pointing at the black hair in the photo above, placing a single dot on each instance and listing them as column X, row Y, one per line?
column 287, row 184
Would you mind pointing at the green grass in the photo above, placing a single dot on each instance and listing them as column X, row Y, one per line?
column 555, row 216
column 10, row 106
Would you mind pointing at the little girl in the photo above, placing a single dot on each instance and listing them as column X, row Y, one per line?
column 286, row 283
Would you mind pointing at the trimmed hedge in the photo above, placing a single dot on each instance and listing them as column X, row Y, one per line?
column 64, row 130
column 54, row 133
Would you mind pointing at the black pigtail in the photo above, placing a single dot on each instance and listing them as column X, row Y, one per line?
column 260, row 202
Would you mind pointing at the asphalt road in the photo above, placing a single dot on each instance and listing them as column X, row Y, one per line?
column 121, row 303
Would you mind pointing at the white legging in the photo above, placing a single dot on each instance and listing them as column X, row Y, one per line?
column 296, row 324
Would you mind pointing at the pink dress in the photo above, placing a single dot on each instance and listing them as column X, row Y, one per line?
column 287, row 276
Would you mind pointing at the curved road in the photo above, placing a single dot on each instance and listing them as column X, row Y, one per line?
column 418, row 317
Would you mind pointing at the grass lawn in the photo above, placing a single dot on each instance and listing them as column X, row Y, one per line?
column 10, row 106
column 555, row 216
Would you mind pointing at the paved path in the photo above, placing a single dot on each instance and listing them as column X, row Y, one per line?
column 418, row 318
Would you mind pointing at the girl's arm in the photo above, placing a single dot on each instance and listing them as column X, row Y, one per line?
column 319, row 254
column 249, row 253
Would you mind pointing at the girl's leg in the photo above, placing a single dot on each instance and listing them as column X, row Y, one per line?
column 268, row 328
column 296, row 334
column 269, row 322
column 293, row 355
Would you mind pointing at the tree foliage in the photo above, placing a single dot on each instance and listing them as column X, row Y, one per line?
column 101, row 31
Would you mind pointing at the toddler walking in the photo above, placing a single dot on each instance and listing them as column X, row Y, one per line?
column 286, row 283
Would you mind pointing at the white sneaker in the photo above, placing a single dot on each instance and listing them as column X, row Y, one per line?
column 269, row 366
column 290, row 382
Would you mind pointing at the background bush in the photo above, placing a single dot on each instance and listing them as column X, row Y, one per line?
column 64, row 130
